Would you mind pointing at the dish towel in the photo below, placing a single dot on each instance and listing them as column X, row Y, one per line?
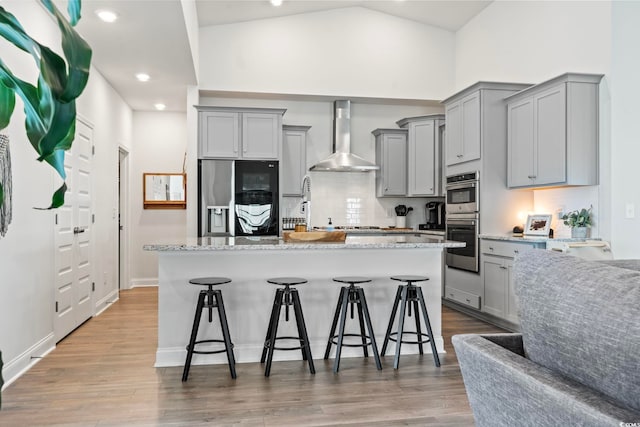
column 5, row 180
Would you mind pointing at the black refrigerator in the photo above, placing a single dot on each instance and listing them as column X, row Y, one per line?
column 256, row 198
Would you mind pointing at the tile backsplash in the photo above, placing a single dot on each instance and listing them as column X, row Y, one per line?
column 349, row 198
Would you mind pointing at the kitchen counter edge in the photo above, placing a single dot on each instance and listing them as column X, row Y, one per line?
column 278, row 244
column 532, row 239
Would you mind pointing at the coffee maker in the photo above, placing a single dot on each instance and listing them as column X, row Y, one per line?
column 435, row 212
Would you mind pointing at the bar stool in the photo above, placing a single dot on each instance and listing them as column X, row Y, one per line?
column 350, row 295
column 213, row 300
column 405, row 295
column 286, row 297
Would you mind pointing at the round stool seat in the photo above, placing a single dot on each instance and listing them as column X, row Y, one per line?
column 210, row 281
column 287, row 281
column 410, row 279
column 351, row 279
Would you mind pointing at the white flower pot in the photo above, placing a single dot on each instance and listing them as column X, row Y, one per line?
column 580, row 232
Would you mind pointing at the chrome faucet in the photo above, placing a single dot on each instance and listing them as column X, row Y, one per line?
column 305, row 208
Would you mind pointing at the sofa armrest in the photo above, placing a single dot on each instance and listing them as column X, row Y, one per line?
column 507, row 389
column 511, row 342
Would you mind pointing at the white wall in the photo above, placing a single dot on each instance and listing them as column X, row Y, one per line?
column 531, row 42
column 27, row 251
column 343, row 52
column 625, row 127
column 159, row 144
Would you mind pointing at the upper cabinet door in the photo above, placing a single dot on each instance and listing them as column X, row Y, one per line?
column 294, row 160
column 453, row 138
column 395, row 165
column 261, row 135
column 424, row 164
column 471, row 127
column 520, row 134
column 550, row 157
column 391, row 156
column 219, row 134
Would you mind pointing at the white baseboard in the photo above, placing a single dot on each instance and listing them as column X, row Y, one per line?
column 15, row 368
column 175, row 356
column 105, row 302
column 143, row 282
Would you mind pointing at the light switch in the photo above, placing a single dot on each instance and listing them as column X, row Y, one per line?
column 630, row 211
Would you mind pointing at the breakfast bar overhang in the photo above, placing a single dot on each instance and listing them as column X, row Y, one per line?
column 249, row 261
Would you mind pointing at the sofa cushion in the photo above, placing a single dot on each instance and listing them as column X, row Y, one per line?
column 582, row 319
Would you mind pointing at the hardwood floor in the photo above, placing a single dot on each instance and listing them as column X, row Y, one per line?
column 103, row 375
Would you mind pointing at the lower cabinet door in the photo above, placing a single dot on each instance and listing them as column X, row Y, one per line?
column 495, row 283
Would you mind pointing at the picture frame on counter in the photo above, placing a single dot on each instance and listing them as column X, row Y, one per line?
column 538, row 225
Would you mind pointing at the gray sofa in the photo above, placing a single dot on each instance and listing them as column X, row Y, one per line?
column 577, row 359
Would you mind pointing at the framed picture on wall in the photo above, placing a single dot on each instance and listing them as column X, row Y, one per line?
column 538, row 225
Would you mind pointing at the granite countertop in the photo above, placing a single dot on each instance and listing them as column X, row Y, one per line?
column 397, row 241
column 385, row 231
column 533, row 239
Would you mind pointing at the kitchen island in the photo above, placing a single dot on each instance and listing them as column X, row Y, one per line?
column 249, row 261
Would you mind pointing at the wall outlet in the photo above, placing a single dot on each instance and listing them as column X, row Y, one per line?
column 629, row 211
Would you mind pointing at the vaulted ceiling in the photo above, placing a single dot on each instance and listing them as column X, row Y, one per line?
column 151, row 36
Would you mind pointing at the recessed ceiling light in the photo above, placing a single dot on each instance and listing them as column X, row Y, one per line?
column 276, row 2
column 107, row 15
column 143, row 77
column 160, row 106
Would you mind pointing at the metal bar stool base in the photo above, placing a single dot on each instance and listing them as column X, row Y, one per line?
column 349, row 296
column 210, row 299
column 409, row 295
column 286, row 297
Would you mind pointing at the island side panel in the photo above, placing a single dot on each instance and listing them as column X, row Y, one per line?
column 248, row 299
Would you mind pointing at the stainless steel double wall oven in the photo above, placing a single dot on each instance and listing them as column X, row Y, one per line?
column 463, row 220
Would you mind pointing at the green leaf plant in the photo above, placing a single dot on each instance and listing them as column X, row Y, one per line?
column 578, row 218
column 49, row 106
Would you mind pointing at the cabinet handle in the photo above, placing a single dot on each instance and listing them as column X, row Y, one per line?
column 459, row 156
column 451, row 294
column 515, row 251
column 503, row 267
column 490, row 248
column 468, row 300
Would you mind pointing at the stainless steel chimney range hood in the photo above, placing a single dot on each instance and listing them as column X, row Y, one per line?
column 342, row 159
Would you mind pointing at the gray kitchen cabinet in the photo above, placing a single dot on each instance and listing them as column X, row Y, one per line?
column 463, row 129
column 474, row 118
column 236, row 133
column 424, row 165
column 552, row 133
column 497, row 258
column 391, row 156
column 294, row 159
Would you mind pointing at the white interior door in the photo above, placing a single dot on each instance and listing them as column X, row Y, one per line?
column 73, row 281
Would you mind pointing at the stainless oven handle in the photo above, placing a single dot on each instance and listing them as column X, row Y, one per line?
column 463, row 184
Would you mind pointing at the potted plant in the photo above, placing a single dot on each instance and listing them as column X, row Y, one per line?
column 579, row 221
column 49, row 104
